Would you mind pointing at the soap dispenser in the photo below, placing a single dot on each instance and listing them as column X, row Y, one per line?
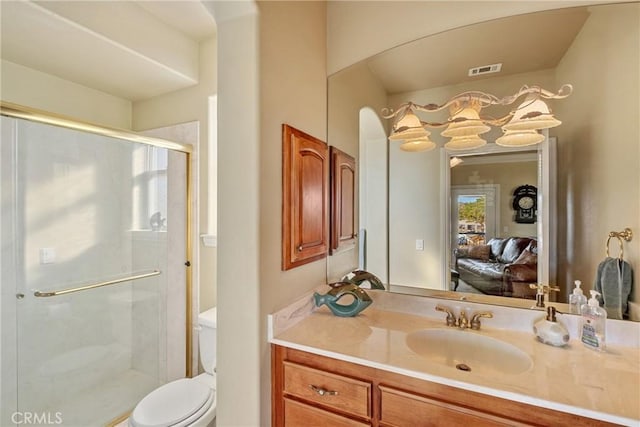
column 577, row 299
column 549, row 331
column 592, row 329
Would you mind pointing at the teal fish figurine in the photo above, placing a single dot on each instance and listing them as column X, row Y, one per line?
column 360, row 299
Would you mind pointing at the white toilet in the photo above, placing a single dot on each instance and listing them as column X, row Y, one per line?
column 187, row 401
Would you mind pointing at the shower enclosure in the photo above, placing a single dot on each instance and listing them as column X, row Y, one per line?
column 94, row 283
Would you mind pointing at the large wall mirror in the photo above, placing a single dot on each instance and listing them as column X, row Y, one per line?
column 418, row 211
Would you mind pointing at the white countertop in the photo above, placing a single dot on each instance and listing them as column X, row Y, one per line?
column 573, row 379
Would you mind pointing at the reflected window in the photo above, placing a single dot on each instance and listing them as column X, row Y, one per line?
column 150, row 188
column 472, row 214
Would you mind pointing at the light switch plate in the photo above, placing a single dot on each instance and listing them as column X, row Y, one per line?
column 419, row 244
column 47, row 255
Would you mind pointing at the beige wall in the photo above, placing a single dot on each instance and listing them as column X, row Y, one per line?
column 599, row 144
column 293, row 90
column 349, row 92
column 241, row 339
column 181, row 106
column 268, row 76
column 35, row 89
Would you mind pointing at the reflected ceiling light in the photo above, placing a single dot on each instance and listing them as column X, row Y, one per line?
column 455, row 161
column 466, row 123
column 418, row 144
column 515, row 138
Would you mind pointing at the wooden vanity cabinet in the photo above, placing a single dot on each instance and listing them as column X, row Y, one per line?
column 372, row 397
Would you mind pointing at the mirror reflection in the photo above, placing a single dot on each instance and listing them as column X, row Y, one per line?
column 585, row 173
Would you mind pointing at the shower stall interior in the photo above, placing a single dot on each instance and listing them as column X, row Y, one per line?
column 94, row 275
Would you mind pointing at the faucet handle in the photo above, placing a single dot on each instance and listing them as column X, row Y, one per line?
column 475, row 319
column 451, row 318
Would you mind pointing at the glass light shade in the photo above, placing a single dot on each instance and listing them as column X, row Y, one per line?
column 514, row 138
column 409, row 127
column 418, row 144
column 465, row 143
column 471, row 126
column 455, row 161
column 541, row 116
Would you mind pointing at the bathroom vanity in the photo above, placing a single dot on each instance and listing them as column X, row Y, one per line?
column 349, row 394
column 370, row 370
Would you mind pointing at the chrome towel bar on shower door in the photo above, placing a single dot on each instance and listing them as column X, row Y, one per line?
column 95, row 285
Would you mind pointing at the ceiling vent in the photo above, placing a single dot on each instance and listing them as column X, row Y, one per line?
column 485, row 69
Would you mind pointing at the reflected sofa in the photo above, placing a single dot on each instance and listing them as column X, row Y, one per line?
column 503, row 267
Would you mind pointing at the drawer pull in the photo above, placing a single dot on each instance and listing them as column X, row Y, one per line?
column 321, row 391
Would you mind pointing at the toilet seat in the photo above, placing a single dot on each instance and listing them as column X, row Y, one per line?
column 189, row 401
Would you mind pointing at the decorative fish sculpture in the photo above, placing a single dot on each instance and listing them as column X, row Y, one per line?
column 360, row 277
column 361, row 299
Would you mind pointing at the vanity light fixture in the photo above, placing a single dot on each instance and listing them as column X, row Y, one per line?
column 465, row 123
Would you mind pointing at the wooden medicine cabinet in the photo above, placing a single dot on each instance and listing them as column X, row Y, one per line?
column 305, row 198
column 343, row 192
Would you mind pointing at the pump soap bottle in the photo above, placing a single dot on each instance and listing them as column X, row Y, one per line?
column 577, row 299
column 593, row 326
column 549, row 331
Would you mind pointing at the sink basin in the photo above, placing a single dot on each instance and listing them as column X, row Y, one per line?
column 469, row 351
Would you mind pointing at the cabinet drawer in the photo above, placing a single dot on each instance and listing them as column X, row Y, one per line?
column 333, row 391
column 399, row 408
column 298, row 414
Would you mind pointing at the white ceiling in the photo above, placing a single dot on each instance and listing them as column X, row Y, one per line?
column 140, row 49
column 522, row 44
column 133, row 50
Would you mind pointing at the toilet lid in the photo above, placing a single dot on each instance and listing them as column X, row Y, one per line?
column 171, row 403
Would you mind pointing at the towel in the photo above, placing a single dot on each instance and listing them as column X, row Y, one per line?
column 614, row 281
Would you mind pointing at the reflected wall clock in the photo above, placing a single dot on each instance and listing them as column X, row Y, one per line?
column 525, row 200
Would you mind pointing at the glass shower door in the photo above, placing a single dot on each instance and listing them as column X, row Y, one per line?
column 92, row 221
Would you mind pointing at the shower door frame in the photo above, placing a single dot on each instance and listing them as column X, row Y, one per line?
column 27, row 113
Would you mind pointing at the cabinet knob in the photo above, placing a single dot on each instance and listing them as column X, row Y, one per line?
column 300, row 248
column 322, row 391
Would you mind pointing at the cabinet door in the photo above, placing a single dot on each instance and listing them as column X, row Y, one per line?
column 400, row 408
column 343, row 196
column 298, row 414
column 305, row 194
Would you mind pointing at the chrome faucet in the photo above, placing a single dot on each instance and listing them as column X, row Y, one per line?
column 451, row 318
column 475, row 319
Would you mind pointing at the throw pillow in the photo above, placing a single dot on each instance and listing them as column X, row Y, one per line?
column 479, row 252
column 526, row 257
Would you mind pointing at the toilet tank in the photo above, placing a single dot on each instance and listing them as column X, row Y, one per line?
column 207, row 343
